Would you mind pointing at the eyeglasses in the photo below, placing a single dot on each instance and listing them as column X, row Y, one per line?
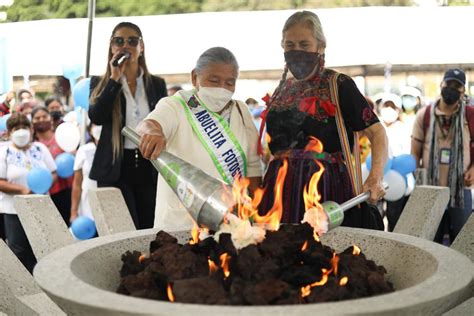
column 120, row 41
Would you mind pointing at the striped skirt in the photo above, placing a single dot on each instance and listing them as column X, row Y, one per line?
column 334, row 184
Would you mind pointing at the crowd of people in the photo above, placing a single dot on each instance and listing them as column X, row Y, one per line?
column 228, row 138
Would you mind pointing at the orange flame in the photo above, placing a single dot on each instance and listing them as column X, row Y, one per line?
column 343, row 281
column 273, row 217
column 169, row 291
column 324, row 278
column 194, row 234
column 334, row 263
column 306, row 290
column 246, row 206
column 225, row 258
column 268, row 139
column 316, row 236
column 311, row 196
column 305, row 246
column 314, row 144
column 212, row 266
column 355, row 250
column 141, row 258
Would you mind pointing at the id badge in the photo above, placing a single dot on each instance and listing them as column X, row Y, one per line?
column 445, row 156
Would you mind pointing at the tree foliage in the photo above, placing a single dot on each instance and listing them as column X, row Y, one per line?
column 27, row 10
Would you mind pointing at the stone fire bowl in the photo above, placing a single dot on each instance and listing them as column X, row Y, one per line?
column 429, row 278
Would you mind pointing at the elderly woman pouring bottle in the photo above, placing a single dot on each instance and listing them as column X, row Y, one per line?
column 204, row 127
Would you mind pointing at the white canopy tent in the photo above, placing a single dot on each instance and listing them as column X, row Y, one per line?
column 355, row 36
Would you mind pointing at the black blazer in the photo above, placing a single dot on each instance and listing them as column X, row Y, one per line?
column 100, row 113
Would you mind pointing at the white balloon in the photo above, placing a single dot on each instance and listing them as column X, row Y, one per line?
column 68, row 136
column 71, row 117
column 396, row 185
column 365, row 172
column 410, row 184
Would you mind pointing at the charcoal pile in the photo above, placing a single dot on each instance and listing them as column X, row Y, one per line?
column 288, row 267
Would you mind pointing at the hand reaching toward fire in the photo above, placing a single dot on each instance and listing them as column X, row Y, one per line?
column 152, row 139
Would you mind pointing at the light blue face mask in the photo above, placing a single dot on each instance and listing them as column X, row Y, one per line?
column 408, row 102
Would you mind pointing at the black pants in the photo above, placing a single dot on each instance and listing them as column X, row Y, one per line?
column 18, row 242
column 454, row 219
column 2, row 228
column 137, row 183
column 394, row 210
column 62, row 200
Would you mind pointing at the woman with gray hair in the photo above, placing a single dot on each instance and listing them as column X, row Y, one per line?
column 318, row 103
column 205, row 127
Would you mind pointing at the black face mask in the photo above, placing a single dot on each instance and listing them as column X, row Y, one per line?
column 450, row 95
column 301, row 63
column 56, row 115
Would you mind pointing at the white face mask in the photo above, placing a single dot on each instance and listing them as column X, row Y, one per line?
column 21, row 137
column 214, row 98
column 389, row 115
column 95, row 132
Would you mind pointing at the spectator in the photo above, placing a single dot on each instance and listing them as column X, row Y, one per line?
column 82, row 183
column 6, row 104
column 390, row 109
column 24, row 95
column 172, row 90
column 441, row 143
column 43, row 132
column 56, row 110
column 16, row 160
column 26, row 107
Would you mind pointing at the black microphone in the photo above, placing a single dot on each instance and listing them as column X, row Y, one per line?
column 120, row 59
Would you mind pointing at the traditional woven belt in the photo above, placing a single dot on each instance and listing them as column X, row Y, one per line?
column 336, row 157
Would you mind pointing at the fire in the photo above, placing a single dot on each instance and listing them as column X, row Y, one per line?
column 212, row 266
column 316, row 236
column 273, row 217
column 246, row 206
column 268, row 139
column 194, row 234
column 306, row 290
column 314, row 144
column 315, row 214
column 141, row 258
column 169, row 291
column 355, row 250
column 305, row 246
column 225, row 258
column 343, row 281
column 334, row 263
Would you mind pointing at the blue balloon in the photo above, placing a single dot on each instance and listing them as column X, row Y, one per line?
column 39, row 180
column 3, row 122
column 404, row 164
column 81, row 92
column 65, row 165
column 72, row 71
column 387, row 168
column 83, row 228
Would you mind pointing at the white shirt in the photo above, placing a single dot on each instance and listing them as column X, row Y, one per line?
column 182, row 142
column 83, row 162
column 15, row 165
column 136, row 107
